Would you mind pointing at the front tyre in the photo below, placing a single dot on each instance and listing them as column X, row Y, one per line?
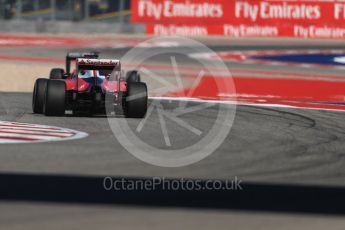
column 55, row 98
column 136, row 100
column 38, row 95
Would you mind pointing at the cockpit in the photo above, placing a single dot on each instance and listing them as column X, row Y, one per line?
column 110, row 75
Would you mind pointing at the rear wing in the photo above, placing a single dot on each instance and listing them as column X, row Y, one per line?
column 75, row 55
column 87, row 63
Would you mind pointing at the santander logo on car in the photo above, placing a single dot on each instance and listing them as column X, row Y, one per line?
column 100, row 62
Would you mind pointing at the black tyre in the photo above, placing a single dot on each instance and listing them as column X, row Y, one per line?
column 55, row 98
column 136, row 100
column 133, row 76
column 38, row 95
column 56, row 74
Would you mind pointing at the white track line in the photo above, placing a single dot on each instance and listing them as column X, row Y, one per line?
column 240, row 103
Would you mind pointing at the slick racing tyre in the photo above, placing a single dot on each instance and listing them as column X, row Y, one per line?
column 132, row 76
column 38, row 95
column 56, row 74
column 136, row 100
column 55, row 98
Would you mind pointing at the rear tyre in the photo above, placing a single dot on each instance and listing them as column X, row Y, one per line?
column 55, row 98
column 133, row 76
column 136, row 100
column 38, row 95
column 56, row 74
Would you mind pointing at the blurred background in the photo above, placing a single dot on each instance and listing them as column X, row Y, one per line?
column 253, row 18
column 287, row 143
column 65, row 10
column 33, row 15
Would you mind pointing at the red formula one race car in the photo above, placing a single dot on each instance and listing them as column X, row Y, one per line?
column 94, row 84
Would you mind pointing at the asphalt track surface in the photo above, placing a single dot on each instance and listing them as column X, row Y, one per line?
column 291, row 162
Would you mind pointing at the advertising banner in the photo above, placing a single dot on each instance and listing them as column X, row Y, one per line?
column 242, row 18
column 181, row 11
column 249, row 30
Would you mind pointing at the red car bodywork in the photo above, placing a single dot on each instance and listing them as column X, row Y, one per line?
column 81, row 85
column 86, row 84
